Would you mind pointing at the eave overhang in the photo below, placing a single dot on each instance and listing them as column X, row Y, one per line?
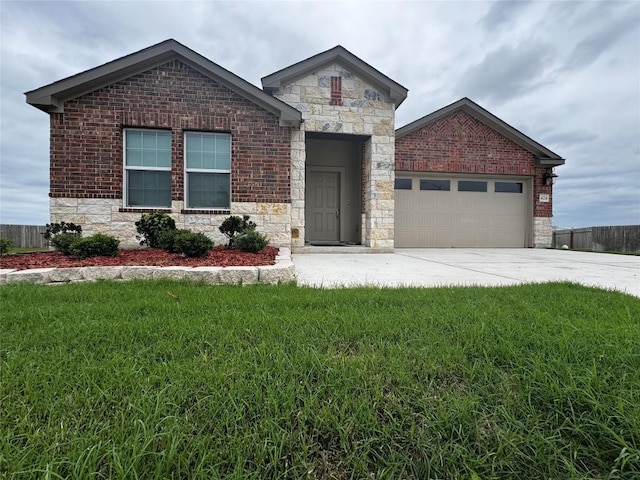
column 395, row 92
column 51, row 98
column 543, row 156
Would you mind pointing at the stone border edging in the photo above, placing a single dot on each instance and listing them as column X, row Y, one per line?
column 283, row 271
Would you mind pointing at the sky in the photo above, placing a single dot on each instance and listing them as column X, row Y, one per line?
column 565, row 73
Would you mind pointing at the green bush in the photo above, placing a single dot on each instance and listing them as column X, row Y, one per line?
column 251, row 241
column 95, row 245
column 191, row 244
column 152, row 226
column 53, row 229
column 63, row 242
column 5, row 245
column 167, row 240
column 232, row 226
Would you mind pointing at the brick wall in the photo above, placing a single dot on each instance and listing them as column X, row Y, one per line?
column 459, row 143
column 86, row 142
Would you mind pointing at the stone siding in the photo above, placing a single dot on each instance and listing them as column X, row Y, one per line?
column 364, row 110
column 542, row 232
column 100, row 215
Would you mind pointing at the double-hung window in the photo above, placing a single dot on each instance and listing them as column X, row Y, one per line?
column 147, row 160
column 207, row 170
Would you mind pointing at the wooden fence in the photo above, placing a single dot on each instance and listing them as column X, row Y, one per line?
column 623, row 238
column 27, row 236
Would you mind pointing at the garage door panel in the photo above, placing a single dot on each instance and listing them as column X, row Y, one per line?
column 432, row 218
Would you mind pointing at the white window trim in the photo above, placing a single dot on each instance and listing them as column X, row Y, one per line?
column 187, row 171
column 125, row 169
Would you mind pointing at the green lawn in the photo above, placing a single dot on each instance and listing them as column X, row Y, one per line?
column 174, row 380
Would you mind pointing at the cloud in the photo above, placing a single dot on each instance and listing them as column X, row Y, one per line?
column 507, row 72
column 502, row 14
column 567, row 74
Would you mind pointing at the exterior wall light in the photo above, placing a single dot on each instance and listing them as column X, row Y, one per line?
column 549, row 178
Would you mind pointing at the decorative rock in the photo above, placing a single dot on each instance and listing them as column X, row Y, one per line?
column 34, row 275
column 139, row 273
column 66, row 275
column 3, row 275
column 101, row 273
column 274, row 274
column 210, row 275
column 173, row 273
column 239, row 275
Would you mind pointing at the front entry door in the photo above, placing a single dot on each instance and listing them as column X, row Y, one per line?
column 323, row 206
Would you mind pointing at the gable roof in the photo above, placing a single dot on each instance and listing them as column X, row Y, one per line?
column 544, row 157
column 394, row 91
column 51, row 98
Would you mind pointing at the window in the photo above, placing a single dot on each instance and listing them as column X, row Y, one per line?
column 432, row 184
column 147, row 159
column 403, row 184
column 208, row 170
column 471, row 186
column 508, row 187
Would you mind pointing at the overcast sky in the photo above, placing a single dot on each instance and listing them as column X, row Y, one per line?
column 565, row 73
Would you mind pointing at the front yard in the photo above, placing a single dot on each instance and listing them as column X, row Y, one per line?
column 160, row 379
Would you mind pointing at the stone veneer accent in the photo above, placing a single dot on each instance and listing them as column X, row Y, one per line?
column 282, row 272
column 100, row 215
column 364, row 111
column 542, row 232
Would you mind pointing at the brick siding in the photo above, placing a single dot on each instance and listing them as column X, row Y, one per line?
column 458, row 143
column 86, row 142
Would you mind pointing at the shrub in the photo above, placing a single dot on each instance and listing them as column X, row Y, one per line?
column 191, row 244
column 251, row 241
column 63, row 242
column 53, row 229
column 152, row 226
column 95, row 245
column 5, row 245
column 232, row 226
column 167, row 240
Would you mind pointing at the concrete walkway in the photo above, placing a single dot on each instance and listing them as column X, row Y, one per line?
column 467, row 266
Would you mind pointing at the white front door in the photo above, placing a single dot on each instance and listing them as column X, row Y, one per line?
column 323, row 206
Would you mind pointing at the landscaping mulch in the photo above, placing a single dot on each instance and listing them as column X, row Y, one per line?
column 218, row 257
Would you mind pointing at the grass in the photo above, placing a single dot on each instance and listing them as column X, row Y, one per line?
column 176, row 380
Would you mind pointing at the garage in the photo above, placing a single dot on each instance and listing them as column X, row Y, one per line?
column 462, row 211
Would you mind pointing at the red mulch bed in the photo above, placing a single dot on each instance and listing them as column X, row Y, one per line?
column 218, row 257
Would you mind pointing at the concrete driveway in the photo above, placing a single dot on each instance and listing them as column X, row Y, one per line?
column 468, row 266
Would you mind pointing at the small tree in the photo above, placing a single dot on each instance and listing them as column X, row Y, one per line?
column 152, row 226
column 232, row 226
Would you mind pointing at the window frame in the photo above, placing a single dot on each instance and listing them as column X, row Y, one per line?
column 503, row 190
column 444, row 181
column 188, row 170
column 397, row 182
column 129, row 168
column 469, row 183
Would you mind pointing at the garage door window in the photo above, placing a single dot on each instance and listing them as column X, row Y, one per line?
column 432, row 184
column 403, row 184
column 508, row 187
column 471, row 186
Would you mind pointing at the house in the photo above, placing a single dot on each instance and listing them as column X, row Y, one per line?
column 313, row 157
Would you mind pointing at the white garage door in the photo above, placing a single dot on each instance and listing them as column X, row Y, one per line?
column 461, row 212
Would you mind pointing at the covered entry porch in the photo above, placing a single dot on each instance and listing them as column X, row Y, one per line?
column 334, row 200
